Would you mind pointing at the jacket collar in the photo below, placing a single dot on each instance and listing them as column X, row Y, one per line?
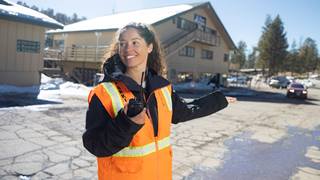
column 114, row 70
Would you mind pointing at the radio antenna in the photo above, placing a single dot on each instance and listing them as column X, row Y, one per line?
column 142, row 87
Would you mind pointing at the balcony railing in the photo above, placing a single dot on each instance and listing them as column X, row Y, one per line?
column 83, row 54
column 176, row 43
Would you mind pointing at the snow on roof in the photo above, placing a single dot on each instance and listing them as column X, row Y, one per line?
column 115, row 21
column 17, row 12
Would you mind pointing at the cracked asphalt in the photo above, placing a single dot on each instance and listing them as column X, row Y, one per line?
column 43, row 141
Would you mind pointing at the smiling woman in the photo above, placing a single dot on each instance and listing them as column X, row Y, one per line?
column 137, row 145
column 134, row 51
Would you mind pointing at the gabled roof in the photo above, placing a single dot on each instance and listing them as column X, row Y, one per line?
column 151, row 16
column 15, row 12
column 115, row 21
column 219, row 23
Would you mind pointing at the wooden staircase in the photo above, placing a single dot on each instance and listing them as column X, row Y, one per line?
column 173, row 45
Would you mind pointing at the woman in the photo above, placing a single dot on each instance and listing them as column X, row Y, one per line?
column 136, row 145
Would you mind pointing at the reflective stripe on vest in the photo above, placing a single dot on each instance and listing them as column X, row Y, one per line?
column 113, row 92
column 166, row 93
column 139, row 151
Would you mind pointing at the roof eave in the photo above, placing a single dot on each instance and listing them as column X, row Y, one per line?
column 30, row 21
column 198, row 5
column 80, row 31
column 229, row 39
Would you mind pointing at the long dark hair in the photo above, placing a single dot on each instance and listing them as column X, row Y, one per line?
column 156, row 59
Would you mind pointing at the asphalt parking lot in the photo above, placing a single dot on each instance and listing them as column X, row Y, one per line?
column 263, row 135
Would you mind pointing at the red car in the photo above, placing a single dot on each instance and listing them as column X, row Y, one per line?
column 297, row 90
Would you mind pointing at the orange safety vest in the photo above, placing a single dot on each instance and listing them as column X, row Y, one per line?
column 147, row 157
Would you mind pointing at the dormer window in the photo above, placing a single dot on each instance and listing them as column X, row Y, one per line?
column 201, row 21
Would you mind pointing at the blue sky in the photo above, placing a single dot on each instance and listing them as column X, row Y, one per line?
column 243, row 19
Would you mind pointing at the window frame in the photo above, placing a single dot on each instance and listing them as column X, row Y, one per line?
column 207, row 54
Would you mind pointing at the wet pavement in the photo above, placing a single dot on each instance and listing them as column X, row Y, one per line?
column 250, row 159
column 256, row 138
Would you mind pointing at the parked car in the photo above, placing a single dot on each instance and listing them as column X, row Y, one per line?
column 279, row 82
column 237, row 79
column 297, row 90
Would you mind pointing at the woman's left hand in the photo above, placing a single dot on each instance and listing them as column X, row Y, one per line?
column 231, row 99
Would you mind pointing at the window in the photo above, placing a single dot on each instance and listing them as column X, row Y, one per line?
column 28, row 46
column 200, row 19
column 58, row 44
column 187, row 51
column 48, row 41
column 218, row 40
column 206, row 54
column 226, row 57
column 185, row 24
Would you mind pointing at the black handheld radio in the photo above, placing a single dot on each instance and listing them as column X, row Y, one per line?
column 136, row 105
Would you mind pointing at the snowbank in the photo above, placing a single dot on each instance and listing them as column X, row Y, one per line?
column 53, row 88
column 50, row 88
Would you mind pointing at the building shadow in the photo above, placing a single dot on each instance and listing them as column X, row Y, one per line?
column 21, row 100
column 247, row 94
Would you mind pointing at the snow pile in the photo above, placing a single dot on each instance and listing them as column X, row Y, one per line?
column 48, row 83
column 53, row 88
column 49, row 87
column 309, row 83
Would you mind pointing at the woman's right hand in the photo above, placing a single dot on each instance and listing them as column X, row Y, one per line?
column 139, row 118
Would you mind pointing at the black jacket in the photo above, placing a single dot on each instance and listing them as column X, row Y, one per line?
column 104, row 137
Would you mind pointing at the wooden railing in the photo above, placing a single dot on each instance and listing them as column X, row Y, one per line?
column 93, row 54
column 82, row 54
column 176, row 43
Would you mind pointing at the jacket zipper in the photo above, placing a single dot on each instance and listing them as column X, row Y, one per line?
column 157, row 149
column 149, row 115
column 157, row 154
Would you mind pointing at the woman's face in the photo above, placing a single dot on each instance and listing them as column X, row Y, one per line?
column 133, row 49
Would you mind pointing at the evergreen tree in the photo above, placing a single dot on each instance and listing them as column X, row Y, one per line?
column 263, row 44
column 308, row 53
column 49, row 12
column 239, row 57
column 273, row 46
column 35, row 8
column 252, row 58
column 60, row 17
column 293, row 62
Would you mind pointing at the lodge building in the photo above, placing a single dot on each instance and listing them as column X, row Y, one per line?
column 22, row 38
column 195, row 42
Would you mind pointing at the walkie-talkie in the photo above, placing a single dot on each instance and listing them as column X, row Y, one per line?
column 136, row 105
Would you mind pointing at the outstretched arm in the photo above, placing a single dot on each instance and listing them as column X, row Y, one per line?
column 206, row 105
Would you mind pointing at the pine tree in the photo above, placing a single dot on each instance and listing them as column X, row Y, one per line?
column 252, row 58
column 293, row 62
column 60, row 17
column 273, row 46
column 239, row 57
column 308, row 53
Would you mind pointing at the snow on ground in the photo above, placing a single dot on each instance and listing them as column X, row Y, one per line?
column 50, row 92
column 54, row 88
